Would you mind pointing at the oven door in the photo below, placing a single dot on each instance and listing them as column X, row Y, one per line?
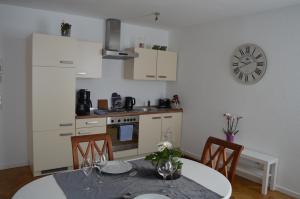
column 118, row 141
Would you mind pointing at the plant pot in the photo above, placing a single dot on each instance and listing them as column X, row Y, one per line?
column 176, row 175
column 230, row 138
column 66, row 32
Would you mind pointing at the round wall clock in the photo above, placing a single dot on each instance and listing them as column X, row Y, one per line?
column 248, row 63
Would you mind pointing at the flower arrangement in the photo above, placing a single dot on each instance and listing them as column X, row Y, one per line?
column 232, row 123
column 66, row 29
column 166, row 152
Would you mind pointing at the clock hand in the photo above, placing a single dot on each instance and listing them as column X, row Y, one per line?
column 245, row 64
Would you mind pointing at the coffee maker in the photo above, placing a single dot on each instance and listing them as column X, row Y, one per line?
column 129, row 103
column 84, row 102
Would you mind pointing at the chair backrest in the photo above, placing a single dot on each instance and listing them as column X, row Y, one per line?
column 222, row 156
column 92, row 146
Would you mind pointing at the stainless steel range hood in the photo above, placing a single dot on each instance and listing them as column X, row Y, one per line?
column 112, row 42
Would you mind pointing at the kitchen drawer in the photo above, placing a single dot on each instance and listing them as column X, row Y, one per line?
column 91, row 122
column 52, row 149
column 91, row 130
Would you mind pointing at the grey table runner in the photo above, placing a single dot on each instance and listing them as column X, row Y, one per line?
column 117, row 186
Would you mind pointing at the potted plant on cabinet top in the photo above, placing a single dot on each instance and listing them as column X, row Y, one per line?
column 66, row 29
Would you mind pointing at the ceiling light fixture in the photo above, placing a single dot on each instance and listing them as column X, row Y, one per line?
column 156, row 14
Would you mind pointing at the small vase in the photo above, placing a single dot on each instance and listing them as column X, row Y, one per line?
column 230, row 138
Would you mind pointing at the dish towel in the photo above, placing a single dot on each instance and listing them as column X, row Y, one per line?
column 125, row 132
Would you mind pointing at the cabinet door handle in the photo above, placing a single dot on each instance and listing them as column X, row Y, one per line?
column 156, row 118
column 92, row 122
column 65, row 134
column 162, row 76
column 83, row 133
column 168, row 116
column 81, row 73
column 150, row 76
column 66, row 124
column 66, row 62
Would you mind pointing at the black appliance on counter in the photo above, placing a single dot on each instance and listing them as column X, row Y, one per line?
column 83, row 102
column 116, row 102
column 129, row 103
column 164, row 103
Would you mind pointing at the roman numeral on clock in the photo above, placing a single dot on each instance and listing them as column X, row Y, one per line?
column 241, row 75
column 242, row 52
column 260, row 64
column 257, row 71
column 235, row 64
column 236, row 70
column 246, row 78
column 253, row 76
column 258, row 56
column 248, row 49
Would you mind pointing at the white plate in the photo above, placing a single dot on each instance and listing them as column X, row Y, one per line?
column 151, row 196
column 117, row 167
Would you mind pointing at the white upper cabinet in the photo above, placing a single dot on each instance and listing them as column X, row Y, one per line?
column 152, row 65
column 49, row 50
column 166, row 65
column 89, row 60
column 143, row 67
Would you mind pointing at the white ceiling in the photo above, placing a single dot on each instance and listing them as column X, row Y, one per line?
column 174, row 13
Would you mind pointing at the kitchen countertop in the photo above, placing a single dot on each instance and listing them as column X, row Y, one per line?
column 128, row 113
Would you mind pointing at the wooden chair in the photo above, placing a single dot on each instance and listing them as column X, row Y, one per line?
column 215, row 154
column 92, row 147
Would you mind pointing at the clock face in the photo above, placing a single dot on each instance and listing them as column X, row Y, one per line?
column 248, row 63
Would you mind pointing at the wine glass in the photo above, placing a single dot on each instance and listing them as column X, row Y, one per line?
column 86, row 167
column 165, row 168
column 100, row 163
column 173, row 170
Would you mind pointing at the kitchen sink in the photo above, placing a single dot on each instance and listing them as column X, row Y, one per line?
column 145, row 109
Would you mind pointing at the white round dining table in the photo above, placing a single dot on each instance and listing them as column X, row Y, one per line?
column 47, row 188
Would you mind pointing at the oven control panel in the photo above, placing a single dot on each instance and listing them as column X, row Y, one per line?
column 122, row 120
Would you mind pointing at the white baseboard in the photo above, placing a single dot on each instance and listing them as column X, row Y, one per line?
column 287, row 191
column 192, row 155
column 9, row 166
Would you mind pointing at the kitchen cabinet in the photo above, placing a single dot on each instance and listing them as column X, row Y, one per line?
column 53, row 98
column 153, row 127
column 166, row 65
column 89, row 60
column 149, row 133
column 143, row 67
column 51, row 115
column 52, row 149
column 151, row 65
column 49, row 50
column 171, row 122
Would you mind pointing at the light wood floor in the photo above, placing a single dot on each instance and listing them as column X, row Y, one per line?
column 12, row 179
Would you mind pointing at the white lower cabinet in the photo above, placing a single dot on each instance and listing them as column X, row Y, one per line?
column 152, row 128
column 52, row 149
column 171, row 122
column 149, row 133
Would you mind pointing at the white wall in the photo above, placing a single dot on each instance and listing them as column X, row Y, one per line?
column 16, row 25
column 271, row 108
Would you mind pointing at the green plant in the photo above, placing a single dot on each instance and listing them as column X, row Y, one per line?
column 65, row 26
column 166, row 152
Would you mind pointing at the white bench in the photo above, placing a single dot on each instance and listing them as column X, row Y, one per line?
column 261, row 166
